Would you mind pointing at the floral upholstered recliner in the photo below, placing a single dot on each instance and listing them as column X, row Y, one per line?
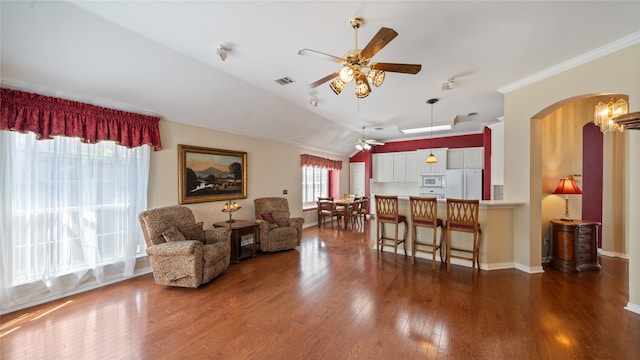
column 181, row 252
column 278, row 231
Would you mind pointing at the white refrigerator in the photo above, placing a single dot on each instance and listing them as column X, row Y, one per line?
column 464, row 184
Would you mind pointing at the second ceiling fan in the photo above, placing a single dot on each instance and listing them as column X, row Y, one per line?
column 365, row 144
column 356, row 61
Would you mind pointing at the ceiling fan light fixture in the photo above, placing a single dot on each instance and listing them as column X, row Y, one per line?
column 362, row 86
column 376, row 77
column 347, row 74
column 337, row 85
column 363, row 145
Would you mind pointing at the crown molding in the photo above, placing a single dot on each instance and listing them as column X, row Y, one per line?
column 569, row 64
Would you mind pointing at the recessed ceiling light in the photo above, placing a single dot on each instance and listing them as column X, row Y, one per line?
column 426, row 129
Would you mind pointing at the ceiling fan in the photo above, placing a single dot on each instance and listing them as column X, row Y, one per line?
column 365, row 144
column 355, row 61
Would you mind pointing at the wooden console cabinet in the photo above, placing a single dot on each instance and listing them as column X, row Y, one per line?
column 575, row 245
column 240, row 229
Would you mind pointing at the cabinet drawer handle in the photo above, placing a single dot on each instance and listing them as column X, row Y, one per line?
column 584, row 246
column 584, row 230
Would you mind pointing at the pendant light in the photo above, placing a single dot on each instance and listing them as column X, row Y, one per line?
column 431, row 159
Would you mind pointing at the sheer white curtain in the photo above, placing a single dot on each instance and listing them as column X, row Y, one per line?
column 68, row 214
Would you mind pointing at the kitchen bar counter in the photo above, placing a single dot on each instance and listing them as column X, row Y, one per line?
column 496, row 219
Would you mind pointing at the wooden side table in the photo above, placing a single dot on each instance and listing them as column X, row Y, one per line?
column 240, row 229
column 575, row 245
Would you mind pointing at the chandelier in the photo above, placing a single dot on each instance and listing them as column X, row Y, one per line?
column 605, row 113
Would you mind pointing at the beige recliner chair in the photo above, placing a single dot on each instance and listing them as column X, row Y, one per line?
column 278, row 231
column 181, row 252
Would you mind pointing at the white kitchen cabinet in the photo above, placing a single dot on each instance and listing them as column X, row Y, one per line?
column 438, row 168
column 455, row 159
column 395, row 167
column 399, row 167
column 412, row 166
column 465, row 158
column 387, row 167
column 474, row 158
column 376, row 162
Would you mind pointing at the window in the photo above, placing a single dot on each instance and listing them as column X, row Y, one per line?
column 315, row 183
column 71, row 208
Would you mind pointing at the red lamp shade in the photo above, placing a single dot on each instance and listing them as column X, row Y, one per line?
column 567, row 186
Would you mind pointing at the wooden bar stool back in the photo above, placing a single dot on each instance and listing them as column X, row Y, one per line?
column 424, row 213
column 462, row 216
column 387, row 213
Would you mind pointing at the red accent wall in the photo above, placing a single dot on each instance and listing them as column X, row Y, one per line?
column 487, row 164
column 334, row 184
column 452, row 142
column 592, row 175
column 462, row 141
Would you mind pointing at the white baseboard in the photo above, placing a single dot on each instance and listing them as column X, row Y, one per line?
column 633, row 308
column 613, row 254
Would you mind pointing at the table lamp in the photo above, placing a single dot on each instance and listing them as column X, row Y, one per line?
column 566, row 187
column 231, row 207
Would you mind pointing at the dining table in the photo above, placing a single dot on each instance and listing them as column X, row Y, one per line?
column 344, row 204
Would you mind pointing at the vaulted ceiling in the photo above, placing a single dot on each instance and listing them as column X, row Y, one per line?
column 159, row 57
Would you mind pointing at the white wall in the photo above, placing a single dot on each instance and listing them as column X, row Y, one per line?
column 616, row 73
column 271, row 168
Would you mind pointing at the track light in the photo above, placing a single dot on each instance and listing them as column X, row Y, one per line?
column 221, row 52
column 448, row 85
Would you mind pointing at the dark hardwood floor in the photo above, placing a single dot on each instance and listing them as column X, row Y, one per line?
column 337, row 298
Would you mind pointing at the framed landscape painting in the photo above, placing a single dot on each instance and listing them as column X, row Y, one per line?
column 211, row 174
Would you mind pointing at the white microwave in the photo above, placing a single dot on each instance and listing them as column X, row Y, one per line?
column 436, row 181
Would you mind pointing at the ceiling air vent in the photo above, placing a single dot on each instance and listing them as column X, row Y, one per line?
column 285, row 80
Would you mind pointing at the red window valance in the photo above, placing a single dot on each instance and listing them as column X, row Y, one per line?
column 310, row 160
column 49, row 116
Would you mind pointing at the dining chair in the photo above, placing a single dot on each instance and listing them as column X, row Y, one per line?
column 326, row 209
column 363, row 208
column 424, row 213
column 462, row 216
column 354, row 213
column 387, row 213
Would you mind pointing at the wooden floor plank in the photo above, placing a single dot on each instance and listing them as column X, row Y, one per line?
column 336, row 297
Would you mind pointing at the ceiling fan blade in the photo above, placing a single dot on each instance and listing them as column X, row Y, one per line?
column 379, row 40
column 399, row 68
column 320, row 55
column 374, row 142
column 324, row 79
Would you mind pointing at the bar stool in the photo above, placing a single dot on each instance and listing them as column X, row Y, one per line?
column 424, row 213
column 462, row 215
column 387, row 213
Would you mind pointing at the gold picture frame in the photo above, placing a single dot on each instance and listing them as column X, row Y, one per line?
column 206, row 174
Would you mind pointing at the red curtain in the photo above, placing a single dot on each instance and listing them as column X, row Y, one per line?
column 310, row 160
column 49, row 116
